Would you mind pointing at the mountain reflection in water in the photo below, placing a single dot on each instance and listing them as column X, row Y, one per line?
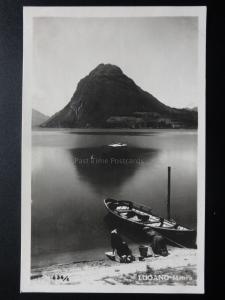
column 105, row 173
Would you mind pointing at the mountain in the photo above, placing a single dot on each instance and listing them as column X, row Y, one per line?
column 192, row 108
column 108, row 98
column 38, row 118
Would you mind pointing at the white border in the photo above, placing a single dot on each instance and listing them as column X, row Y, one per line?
column 28, row 14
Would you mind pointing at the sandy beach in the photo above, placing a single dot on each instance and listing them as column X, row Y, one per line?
column 177, row 269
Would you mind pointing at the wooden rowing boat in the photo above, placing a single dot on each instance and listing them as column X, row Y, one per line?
column 141, row 216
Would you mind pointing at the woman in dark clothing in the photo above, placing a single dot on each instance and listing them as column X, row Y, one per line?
column 125, row 253
column 159, row 245
column 116, row 240
column 121, row 247
column 124, row 250
column 158, row 242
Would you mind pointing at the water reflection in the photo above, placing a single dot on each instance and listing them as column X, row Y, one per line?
column 106, row 174
column 114, row 132
column 67, row 196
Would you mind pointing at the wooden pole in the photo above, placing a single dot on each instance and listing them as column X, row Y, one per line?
column 168, row 194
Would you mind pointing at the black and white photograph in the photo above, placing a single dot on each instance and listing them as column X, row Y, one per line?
column 113, row 149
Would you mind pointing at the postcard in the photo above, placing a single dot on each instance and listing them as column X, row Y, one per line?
column 113, row 149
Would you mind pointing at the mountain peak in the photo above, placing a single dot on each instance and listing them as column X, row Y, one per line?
column 107, row 97
column 106, row 70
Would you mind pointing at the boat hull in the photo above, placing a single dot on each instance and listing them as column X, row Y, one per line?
column 185, row 237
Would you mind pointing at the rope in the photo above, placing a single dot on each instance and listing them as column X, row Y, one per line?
column 182, row 246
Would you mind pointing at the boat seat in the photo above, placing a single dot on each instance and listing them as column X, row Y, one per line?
column 135, row 218
column 123, row 210
column 152, row 222
column 128, row 214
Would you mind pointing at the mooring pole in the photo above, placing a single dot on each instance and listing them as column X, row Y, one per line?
column 168, row 194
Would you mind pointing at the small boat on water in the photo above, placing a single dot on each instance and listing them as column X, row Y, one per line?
column 141, row 216
column 115, row 150
column 118, row 145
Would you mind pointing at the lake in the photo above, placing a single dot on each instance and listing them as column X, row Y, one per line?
column 68, row 215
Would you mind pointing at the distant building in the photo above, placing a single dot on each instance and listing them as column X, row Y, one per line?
column 177, row 125
column 125, row 121
column 166, row 121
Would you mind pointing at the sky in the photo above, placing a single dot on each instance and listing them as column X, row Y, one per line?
column 159, row 53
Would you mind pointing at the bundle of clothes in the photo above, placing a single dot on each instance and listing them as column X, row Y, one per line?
column 120, row 247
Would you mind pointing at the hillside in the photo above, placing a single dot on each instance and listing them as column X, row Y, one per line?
column 38, row 118
column 107, row 98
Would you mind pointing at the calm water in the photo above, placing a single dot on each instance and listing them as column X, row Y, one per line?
column 68, row 215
